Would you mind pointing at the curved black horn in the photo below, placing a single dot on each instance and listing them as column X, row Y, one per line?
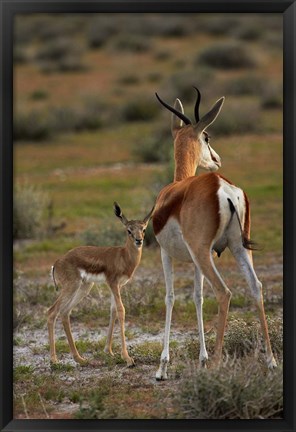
column 196, row 108
column 185, row 119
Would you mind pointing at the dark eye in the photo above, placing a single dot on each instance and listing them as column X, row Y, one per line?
column 129, row 231
column 207, row 140
column 144, row 231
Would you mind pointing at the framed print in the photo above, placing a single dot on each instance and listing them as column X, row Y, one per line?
column 147, row 215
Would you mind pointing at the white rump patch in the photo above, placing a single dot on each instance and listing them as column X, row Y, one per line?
column 228, row 191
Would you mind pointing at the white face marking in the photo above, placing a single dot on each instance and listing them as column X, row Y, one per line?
column 209, row 159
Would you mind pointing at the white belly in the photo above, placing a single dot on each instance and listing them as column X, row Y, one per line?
column 171, row 240
column 92, row 277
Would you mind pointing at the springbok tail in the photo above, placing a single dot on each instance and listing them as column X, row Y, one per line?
column 247, row 242
column 52, row 275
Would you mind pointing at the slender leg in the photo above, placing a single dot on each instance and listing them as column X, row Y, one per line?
column 161, row 373
column 244, row 260
column 67, row 328
column 52, row 317
column 69, row 299
column 121, row 319
column 198, row 300
column 202, row 258
column 113, row 312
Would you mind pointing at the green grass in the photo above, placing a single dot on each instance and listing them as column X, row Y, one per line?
column 23, row 373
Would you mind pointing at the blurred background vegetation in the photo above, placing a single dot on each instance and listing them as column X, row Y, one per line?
column 88, row 129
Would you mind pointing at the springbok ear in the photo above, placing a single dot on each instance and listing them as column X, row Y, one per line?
column 149, row 216
column 210, row 117
column 176, row 122
column 119, row 214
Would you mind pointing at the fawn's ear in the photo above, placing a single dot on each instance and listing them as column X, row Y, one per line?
column 119, row 214
column 149, row 216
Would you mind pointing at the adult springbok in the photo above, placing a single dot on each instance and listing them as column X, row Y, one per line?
column 79, row 268
column 196, row 215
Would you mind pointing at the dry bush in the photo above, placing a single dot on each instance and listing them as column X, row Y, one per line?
column 60, row 54
column 131, row 43
column 99, row 32
column 86, row 117
column 237, row 390
column 29, row 205
column 272, row 97
column 140, row 109
column 155, row 147
column 219, row 25
column 226, row 55
column 181, row 84
column 34, row 125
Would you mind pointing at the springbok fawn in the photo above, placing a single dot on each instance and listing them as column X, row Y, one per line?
column 196, row 215
column 79, row 268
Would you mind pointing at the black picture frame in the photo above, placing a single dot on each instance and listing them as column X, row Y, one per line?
column 8, row 8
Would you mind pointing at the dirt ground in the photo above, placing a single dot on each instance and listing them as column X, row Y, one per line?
column 31, row 353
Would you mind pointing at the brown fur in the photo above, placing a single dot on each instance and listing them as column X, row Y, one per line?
column 199, row 194
column 76, row 271
column 94, row 260
column 194, row 202
column 186, row 153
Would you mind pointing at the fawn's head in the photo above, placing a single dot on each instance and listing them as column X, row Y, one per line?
column 135, row 228
column 192, row 138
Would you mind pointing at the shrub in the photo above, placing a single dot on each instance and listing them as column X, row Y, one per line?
column 99, row 32
column 154, row 25
column 272, row 97
column 140, row 109
column 241, row 338
column 218, row 25
column 147, row 352
column 181, row 82
column 76, row 119
column 24, row 29
column 249, row 31
column 33, row 125
column 39, row 95
column 236, row 390
column 132, row 43
column 29, row 204
column 129, row 79
column 41, row 125
column 154, row 148
column 60, row 54
column 20, row 54
column 171, row 26
column 226, row 55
